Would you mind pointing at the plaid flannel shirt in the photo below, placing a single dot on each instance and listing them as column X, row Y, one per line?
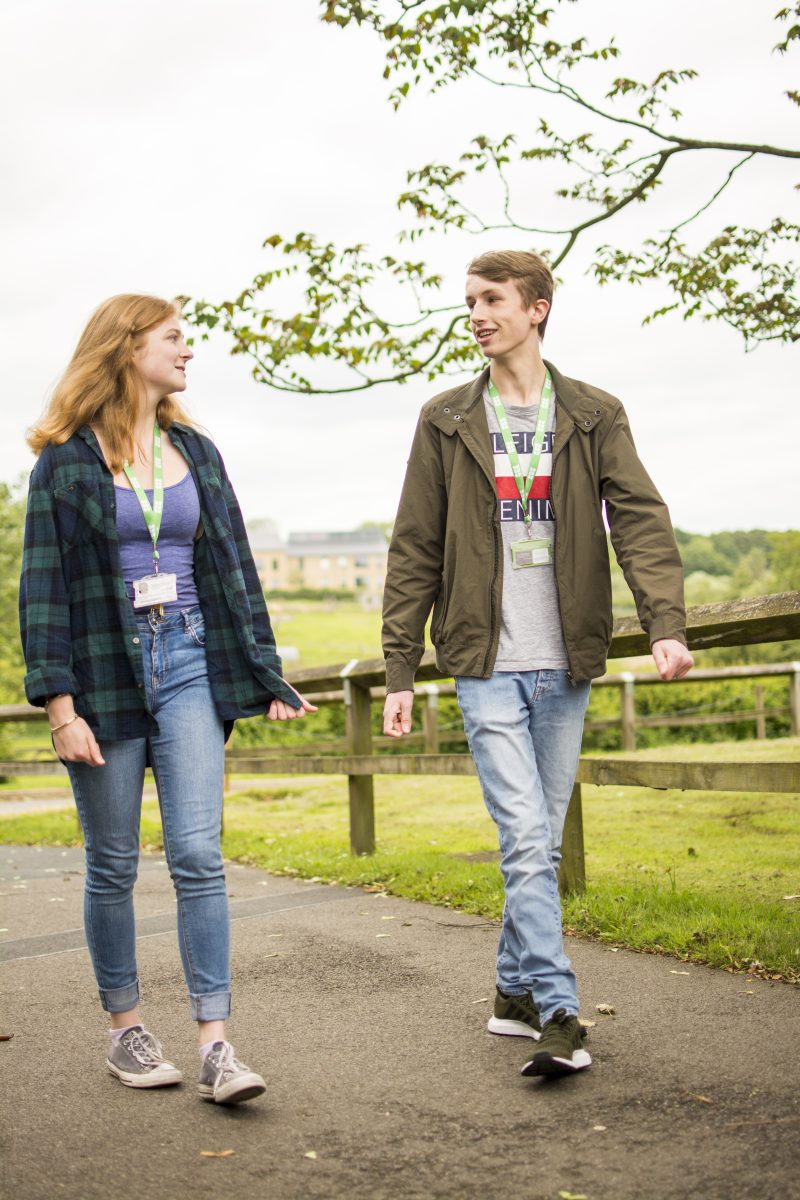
column 79, row 631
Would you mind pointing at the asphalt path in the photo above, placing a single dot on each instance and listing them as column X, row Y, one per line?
column 366, row 1014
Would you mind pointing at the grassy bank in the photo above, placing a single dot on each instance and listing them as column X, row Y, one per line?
column 701, row 875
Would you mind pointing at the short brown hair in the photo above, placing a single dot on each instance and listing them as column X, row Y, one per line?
column 529, row 271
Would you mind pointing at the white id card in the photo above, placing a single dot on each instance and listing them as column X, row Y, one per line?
column 533, row 552
column 155, row 589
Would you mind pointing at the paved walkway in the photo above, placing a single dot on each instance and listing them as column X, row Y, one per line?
column 367, row 1016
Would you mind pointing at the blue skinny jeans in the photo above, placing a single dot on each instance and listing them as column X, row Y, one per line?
column 187, row 757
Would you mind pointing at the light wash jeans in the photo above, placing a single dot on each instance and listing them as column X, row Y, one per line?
column 524, row 730
column 187, row 757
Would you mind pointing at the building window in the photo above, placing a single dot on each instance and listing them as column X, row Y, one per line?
column 324, row 564
column 362, row 562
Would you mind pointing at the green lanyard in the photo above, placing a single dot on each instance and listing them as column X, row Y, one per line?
column 152, row 515
column 524, row 483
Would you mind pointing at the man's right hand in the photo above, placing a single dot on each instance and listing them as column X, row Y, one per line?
column 397, row 713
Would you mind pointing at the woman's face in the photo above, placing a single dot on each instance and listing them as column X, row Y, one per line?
column 161, row 358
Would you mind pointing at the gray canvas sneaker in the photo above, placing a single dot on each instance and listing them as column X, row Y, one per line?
column 137, row 1061
column 224, row 1080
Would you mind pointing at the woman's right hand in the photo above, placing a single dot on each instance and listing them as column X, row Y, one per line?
column 76, row 743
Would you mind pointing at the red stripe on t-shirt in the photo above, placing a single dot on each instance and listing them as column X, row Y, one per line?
column 507, row 488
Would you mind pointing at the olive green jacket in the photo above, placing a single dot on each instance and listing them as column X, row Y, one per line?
column 446, row 550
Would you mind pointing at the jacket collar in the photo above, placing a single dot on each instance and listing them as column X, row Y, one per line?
column 462, row 411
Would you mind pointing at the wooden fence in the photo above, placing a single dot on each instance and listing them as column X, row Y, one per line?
column 747, row 622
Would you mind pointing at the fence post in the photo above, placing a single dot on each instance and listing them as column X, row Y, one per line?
column 572, row 873
column 761, row 724
column 794, row 698
column 430, row 719
column 360, row 787
column 628, row 712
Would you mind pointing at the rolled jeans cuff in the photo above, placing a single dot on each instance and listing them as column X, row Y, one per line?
column 120, row 999
column 210, row 1006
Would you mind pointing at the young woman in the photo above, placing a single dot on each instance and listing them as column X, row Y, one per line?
column 145, row 634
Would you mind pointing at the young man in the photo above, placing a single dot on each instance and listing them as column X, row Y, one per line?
column 500, row 531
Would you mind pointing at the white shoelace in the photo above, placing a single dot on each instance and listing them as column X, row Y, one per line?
column 225, row 1060
column 145, row 1048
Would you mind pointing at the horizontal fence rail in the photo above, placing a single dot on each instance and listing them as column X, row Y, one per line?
column 357, row 684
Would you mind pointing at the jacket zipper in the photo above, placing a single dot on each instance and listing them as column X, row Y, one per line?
column 491, row 588
column 570, row 676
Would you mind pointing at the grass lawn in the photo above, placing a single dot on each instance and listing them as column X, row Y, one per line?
column 701, row 875
column 326, row 633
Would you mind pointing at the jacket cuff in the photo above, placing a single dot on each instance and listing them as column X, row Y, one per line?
column 399, row 677
column 43, row 682
column 666, row 627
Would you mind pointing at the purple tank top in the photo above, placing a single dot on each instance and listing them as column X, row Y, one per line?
column 175, row 541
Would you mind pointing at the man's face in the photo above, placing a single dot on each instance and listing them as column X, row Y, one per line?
column 500, row 323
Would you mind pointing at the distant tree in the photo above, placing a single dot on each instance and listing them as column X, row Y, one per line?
column 12, row 520
column 786, row 561
column 629, row 140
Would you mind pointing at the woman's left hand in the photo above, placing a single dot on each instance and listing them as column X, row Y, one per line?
column 279, row 710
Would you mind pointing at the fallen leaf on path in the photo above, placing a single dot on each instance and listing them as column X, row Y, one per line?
column 274, row 954
column 216, row 1153
column 56, row 899
column 6, row 1037
column 586, row 1023
column 3, row 931
column 750, row 993
column 572, row 1196
column 698, row 1097
column 599, row 1128
column 388, row 918
column 482, row 1000
column 310, row 1154
column 407, row 924
column 607, row 1010
column 680, row 972
column 377, row 890
column 377, row 935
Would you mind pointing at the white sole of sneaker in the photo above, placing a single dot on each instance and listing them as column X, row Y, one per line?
column 160, row 1077
column 235, row 1092
column 551, row 1064
column 512, row 1028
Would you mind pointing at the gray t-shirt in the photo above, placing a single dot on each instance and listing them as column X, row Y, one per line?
column 531, row 637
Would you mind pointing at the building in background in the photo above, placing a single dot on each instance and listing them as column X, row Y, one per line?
column 353, row 561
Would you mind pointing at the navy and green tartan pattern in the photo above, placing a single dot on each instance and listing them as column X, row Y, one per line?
column 79, row 632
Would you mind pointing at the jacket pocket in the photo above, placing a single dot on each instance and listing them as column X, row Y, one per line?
column 79, row 512
column 439, row 612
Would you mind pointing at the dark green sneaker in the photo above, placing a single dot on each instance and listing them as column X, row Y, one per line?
column 559, row 1050
column 515, row 1016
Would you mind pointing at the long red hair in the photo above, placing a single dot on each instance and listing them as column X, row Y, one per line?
column 101, row 385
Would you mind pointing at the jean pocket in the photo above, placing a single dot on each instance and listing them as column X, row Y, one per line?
column 196, row 628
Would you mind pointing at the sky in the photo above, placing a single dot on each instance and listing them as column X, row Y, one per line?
column 152, row 147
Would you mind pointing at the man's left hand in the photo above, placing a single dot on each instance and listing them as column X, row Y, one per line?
column 672, row 658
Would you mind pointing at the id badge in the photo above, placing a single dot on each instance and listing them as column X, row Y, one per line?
column 155, row 589
column 532, row 552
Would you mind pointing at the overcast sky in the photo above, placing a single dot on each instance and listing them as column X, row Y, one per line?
column 152, row 146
